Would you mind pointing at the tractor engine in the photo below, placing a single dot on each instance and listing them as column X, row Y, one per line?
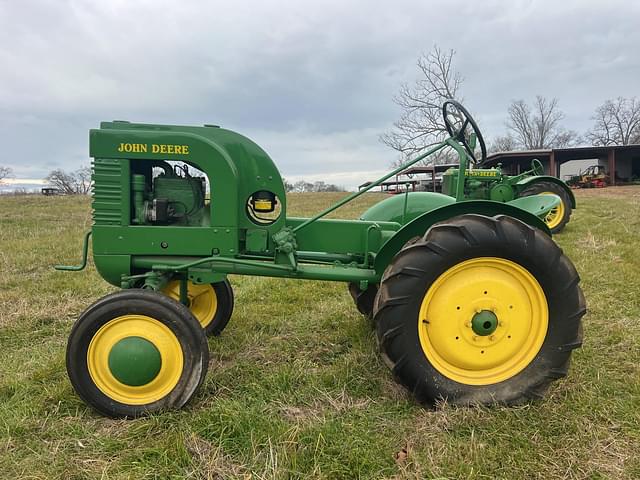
column 173, row 197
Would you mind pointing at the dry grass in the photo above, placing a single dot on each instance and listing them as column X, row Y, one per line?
column 295, row 388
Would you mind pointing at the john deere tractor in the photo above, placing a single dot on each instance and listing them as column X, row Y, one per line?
column 472, row 300
column 491, row 184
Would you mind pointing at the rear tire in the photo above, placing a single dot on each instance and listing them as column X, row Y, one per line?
column 479, row 311
column 558, row 218
column 135, row 352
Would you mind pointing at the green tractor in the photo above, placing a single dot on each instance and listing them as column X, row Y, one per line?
column 491, row 184
column 472, row 301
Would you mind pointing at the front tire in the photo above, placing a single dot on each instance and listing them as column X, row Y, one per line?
column 558, row 217
column 364, row 299
column 135, row 352
column 479, row 311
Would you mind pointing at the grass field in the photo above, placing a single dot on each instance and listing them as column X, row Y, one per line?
column 295, row 388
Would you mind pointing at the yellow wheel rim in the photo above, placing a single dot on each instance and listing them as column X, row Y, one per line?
column 145, row 329
column 486, row 286
column 555, row 216
column 203, row 301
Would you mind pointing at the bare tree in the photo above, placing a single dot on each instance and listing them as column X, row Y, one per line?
column 503, row 143
column 420, row 125
column 5, row 172
column 539, row 126
column 616, row 122
column 288, row 186
column 71, row 183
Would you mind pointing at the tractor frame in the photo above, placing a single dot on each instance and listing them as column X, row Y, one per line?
column 170, row 249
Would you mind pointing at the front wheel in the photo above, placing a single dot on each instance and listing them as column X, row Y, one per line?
column 364, row 299
column 135, row 352
column 559, row 216
column 479, row 311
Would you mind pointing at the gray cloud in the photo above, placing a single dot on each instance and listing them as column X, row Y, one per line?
column 311, row 82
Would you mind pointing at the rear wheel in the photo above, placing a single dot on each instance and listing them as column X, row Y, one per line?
column 135, row 352
column 211, row 304
column 481, row 310
column 557, row 218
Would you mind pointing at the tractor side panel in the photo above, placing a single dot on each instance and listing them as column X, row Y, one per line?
column 342, row 236
column 164, row 240
column 112, row 267
column 420, row 225
column 526, row 182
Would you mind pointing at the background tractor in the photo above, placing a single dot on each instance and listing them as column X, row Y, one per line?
column 472, row 300
column 594, row 176
column 492, row 184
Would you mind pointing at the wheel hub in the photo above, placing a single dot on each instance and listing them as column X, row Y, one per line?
column 134, row 361
column 484, row 323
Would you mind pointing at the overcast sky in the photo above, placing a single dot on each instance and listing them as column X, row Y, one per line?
column 311, row 82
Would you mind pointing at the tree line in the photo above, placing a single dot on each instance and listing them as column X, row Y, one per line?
column 78, row 182
column 302, row 186
column 529, row 125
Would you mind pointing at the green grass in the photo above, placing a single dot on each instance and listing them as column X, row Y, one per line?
column 295, row 388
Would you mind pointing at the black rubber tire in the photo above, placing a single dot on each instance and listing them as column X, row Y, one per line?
column 172, row 314
column 415, row 268
column 364, row 298
column 539, row 187
column 226, row 301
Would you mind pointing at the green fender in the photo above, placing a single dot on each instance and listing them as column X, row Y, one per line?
column 527, row 182
column 404, row 208
column 421, row 224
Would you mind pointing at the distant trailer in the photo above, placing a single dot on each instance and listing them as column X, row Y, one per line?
column 50, row 191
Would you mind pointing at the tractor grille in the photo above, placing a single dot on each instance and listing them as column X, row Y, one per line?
column 107, row 192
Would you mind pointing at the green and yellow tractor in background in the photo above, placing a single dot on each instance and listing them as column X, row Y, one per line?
column 472, row 300
column 491, row 184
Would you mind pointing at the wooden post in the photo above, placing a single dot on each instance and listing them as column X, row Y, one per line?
column 611, row 160
column 433, row 177
column 553, row 169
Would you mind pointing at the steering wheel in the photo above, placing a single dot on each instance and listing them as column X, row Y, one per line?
column 537, row 167
column 457, row 121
